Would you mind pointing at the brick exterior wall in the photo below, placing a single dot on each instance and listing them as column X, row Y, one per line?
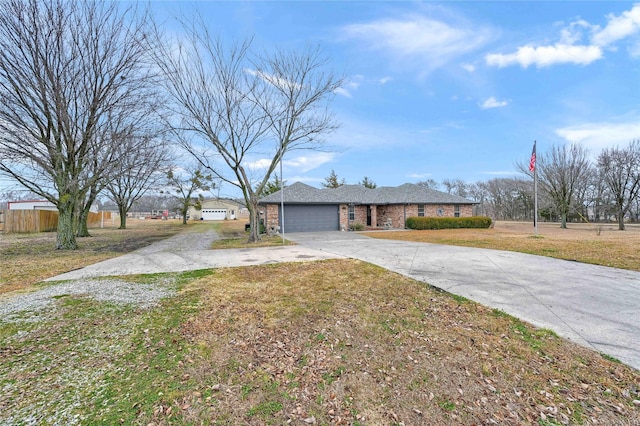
column 271, row 216
column 344, row 217
column 396, row 213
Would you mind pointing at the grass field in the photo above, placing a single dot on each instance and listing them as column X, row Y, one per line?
column 30, row 258
column 332, row 342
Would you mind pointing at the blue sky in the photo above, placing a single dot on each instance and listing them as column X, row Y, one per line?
column 455, row 90
column 452, row 90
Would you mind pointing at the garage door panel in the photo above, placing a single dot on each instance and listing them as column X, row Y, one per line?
column 214, row 214
column 300, row 218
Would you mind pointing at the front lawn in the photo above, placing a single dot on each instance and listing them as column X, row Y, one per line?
column 331, row 342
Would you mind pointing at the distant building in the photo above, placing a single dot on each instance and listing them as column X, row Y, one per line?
column 32, row 205
column 219, row 209
column 38, row 205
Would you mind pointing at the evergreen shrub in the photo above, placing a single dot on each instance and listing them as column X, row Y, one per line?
column 420, row 223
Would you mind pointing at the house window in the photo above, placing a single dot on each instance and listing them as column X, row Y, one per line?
column 456, row 210
column 440, row 211
column 420, row 210
column 352, row 213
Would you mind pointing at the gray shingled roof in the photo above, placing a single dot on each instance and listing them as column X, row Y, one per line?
column 299, row 193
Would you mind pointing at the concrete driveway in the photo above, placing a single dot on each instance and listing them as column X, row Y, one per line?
column 594, row 306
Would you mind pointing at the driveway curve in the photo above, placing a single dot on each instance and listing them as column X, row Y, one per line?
column 594, row 306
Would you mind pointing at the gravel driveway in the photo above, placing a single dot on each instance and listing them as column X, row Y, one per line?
column 37, row 303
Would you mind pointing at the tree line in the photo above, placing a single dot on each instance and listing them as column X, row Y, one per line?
column 572, row 186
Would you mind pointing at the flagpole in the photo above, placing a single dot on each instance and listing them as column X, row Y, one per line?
column 535, row 191
column 535, row 200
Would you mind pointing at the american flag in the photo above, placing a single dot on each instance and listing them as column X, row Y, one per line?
column 532, row 161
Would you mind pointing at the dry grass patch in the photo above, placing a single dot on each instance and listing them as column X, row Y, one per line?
column 233, row 235
column 589, row 243
column 345, row 342
column 31, row 258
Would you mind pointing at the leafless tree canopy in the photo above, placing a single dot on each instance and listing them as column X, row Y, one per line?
column 563, row 174
column 143, row 164
column 238, row 109
column 68, row 72
column 620, row 172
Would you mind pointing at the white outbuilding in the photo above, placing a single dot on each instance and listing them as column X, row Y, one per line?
column 218, row 209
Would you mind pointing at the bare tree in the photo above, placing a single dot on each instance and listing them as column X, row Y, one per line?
column 455, row 186
column 249, row 109
column 429, row 183
column 66, row 69
column 142, row 165
column 598, row 200
column 620, row 170
column 478, row 193
column 183, row 186
column 562, row 173
column 133, row 139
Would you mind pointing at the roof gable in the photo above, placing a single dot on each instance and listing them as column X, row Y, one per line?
column 408, row 193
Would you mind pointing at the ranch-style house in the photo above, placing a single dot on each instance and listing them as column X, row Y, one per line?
column 309, row 209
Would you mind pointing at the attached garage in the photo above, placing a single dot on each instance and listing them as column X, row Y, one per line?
column 310, row 218
column 214, row 214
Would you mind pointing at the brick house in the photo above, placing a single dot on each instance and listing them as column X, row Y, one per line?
column 331, row 209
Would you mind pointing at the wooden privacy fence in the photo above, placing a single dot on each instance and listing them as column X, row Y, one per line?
column 17, row 221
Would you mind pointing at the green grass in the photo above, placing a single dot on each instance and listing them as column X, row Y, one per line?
column 611, row 358
column 102, row 363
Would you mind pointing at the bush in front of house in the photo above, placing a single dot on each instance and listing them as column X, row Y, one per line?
column 356, row 227
column 420, row 223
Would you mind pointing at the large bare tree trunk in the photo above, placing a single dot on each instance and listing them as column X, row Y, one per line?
column 620, row 220
column 254, row 220
column 66, row 237
column 122, row 210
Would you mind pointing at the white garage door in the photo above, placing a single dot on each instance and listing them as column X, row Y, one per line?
column 214, row 214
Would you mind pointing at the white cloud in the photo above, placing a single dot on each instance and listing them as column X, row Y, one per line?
column 568, row 49
column 261, row 164
column 573, row 33
column 492, row 102
column 299, row 164
column 274, row 80
column 619, row 27
column 420, row 41
column 304, row 163
column 385, row 80
column 597, row 136
column 419, row 175
column 343, row 92
column 544, row 56
column 353, row 83
column 468, row 67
